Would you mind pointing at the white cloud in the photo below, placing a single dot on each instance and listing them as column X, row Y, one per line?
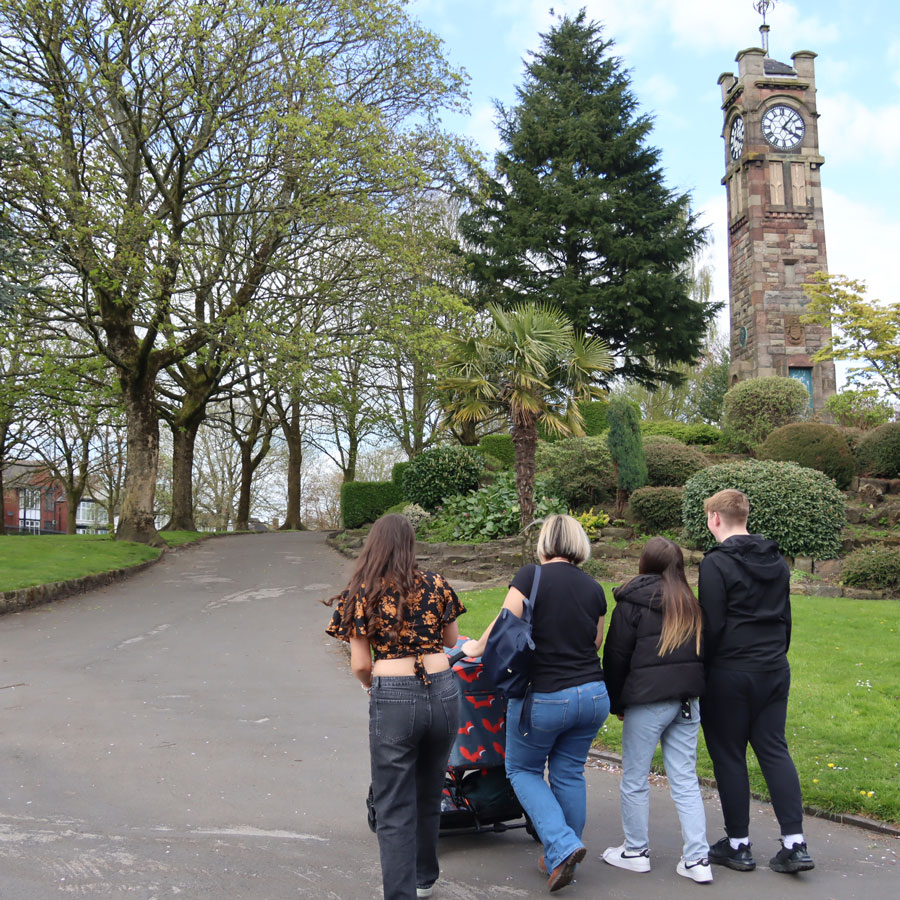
column 482, row 129
column 851, row 131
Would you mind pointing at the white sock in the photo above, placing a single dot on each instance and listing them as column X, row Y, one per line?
column 736, row 842
column 791, row 840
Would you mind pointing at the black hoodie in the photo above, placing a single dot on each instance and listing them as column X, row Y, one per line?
column 745, row 595
column 633, row 669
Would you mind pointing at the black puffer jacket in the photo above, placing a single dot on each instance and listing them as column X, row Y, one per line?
column 634, row 670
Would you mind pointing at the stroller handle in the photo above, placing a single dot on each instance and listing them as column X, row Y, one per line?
column 456, row 657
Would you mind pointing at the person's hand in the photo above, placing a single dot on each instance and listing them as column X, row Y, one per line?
column 470, row 648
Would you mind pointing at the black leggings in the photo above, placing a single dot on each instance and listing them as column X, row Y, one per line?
column 751, row 707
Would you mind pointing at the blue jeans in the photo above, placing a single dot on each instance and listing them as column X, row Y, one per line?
column 563, row 727
column 646, row 725
column 412, row 727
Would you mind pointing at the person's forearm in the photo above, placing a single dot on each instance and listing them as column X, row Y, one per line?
column 475, row 648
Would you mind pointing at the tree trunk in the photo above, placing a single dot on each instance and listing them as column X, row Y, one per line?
column 2, row 500
column 184, row 438
column 467, row 435
column 290, row 426
column 242, row 519
column 136, row 522
column 524, row 436
column 74, row 493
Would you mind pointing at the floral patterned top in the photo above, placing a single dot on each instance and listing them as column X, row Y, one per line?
column 430, row 606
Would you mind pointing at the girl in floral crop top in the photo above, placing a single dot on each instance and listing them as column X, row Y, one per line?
column 402, row 618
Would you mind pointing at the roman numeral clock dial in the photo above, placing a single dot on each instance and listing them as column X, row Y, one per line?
column 783, row 127
column 736, row 138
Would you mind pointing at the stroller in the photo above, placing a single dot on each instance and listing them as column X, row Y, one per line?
column 477, row 794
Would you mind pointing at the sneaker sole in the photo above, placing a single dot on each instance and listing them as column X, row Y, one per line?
column 618, row 862
column 733, row 864
column 705, row 875
column 792, row 868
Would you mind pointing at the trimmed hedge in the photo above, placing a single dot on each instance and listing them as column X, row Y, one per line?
column 879, row 451
column 802, row 509
column 397, row 472
column 659, row 508
column 594, row 412
column 814, row 445
column 756, row 407
column 578, row 469
column 501, row 447
column 681, row 431
column 669, row 462
column 364, row 501
column 873, row 567
column 441, row 472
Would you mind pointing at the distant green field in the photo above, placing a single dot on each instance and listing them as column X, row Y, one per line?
column 843, row 714
column 26, row 560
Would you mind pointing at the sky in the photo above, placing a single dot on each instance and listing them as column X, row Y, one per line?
column 675, row 51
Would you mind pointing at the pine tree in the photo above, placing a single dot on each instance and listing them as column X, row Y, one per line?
column 578, row 215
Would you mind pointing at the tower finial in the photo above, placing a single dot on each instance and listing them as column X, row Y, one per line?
column 762, row 7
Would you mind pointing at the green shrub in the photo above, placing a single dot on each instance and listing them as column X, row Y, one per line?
column 594, row 413
column 441, row 472
column 364, row 501
column 625, row 444
column 756, row 407
column 397, row 472
column 859, row 409
column 488, row 513
column 877, row 568
column 416, row 515
column 802, row 509
column 681, row 431
column 591, row 522
column 500, row 446
column 853, row 437
column 669, row 462
column 598, row 569
column 814, row 445
column 577, row 469
column 879, row 451
column 659, row 508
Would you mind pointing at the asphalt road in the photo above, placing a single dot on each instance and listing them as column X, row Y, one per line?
column 193, row 733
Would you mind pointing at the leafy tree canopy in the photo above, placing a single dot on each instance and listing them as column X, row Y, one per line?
column 578, row 216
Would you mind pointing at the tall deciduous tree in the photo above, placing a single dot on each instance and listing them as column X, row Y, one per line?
column 533, row 366
column 157, row 136
column 578, row 215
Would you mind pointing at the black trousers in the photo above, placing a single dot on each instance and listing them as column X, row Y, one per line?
column 741, row 708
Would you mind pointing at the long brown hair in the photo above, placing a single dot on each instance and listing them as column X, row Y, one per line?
column 682, row 619
column 387, row 563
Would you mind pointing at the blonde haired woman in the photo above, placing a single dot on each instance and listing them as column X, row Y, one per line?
column 567, row 692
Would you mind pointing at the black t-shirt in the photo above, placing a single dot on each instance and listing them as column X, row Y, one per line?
column 564, row 627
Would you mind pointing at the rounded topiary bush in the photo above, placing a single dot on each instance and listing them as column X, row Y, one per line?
column 800, row 508
column 441, row 472
column 878, row 451
column 877, row 568
column 659, row 508
column 814, row 445
column 669, row 462
column 500, row 446
column 578, row 469
column 756, row 407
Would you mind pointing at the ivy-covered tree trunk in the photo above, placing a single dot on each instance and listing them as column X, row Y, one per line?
column 293, row 436
column 524, row 436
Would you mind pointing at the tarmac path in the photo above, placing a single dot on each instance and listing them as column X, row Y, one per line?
column 193, row 733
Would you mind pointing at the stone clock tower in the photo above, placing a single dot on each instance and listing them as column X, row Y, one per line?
column 775, row 222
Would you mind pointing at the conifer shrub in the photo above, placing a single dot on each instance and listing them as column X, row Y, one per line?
column 363, row 502
column 577, row 469
column 625, row 444
column 800, row 508
column 669, row 462
column 500, row 446
column 441, row 472
column 879, row 451
column 814, row 445
column 876, row 568
column 594, row 413
column 756, row 407
column 659, row 508
column 852, row 436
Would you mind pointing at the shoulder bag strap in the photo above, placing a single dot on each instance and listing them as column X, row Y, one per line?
column 528, row 604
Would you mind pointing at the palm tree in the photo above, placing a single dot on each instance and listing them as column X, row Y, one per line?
column 533, row 367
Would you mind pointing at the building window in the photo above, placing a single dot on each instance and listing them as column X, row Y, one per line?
column 30, row 499
column 89, row 512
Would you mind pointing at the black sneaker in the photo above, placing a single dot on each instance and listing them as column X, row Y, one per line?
column 794, row 860
column 723, row 854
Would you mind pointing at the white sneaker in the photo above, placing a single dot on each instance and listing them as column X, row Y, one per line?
column 425, row 891
column 700, row 870
column 622, row 859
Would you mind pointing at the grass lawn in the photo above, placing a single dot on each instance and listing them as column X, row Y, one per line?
column 26, row 560
column 844, row 709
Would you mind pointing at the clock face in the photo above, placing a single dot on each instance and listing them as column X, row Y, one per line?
column 783, row 127
column 736, row 138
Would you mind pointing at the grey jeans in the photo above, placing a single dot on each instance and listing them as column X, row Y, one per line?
column 412, row 727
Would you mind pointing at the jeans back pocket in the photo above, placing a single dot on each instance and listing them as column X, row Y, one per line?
column 393, row 718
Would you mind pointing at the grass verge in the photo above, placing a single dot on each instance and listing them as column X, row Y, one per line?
column 844, row 706
column 27, row 560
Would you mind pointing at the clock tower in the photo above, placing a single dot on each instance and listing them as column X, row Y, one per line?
column 776, row 227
